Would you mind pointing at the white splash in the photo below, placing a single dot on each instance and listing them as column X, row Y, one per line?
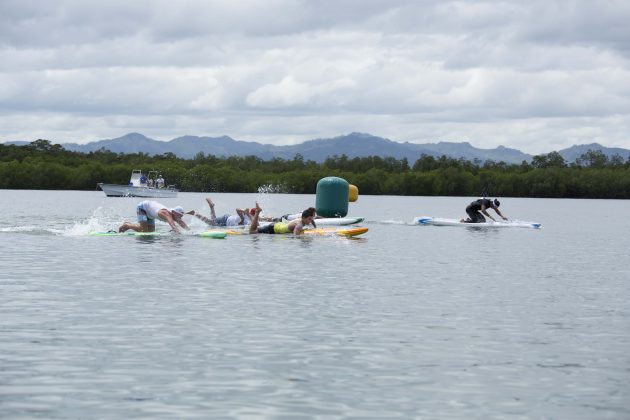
column 100, row 220
column 272, row 189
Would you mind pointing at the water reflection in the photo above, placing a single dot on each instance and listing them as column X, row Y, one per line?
column 483, row 232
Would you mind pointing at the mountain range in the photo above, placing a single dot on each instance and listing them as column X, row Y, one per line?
column 351, row 145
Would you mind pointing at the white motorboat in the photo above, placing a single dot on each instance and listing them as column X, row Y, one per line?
column 140, row 185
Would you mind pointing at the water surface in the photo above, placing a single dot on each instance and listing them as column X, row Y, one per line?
column 405, row 321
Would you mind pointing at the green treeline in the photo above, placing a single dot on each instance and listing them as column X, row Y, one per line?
column 43, row 165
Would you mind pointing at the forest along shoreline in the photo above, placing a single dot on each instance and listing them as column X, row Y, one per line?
column 42, row 165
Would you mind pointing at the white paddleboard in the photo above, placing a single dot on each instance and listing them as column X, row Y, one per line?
column 438, row 221
column 328, row 221
column 338, row 221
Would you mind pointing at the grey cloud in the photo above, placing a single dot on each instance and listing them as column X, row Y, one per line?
column 288, row 70
column 41, row 24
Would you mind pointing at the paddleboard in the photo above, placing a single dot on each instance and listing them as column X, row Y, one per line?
column 331, row 221
column 325, row 231
column 328, row 221
column 214, row 234
column 209, row 234
column 338, row 221
column 437, row 221
column 339, row 231
column 128, row 233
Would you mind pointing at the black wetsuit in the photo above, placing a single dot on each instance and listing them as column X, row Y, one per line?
column 474, row 210
column 267, row 228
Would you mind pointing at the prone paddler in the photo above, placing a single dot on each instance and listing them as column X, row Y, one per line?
column 295, row 226
column 148, row 211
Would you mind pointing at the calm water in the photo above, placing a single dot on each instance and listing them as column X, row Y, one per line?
column 407, row 321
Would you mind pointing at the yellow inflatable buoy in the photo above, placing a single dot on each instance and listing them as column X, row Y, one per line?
column 353, row 193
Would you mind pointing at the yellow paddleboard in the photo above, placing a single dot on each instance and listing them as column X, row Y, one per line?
column 324, row 231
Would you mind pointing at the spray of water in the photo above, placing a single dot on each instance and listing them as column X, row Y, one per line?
column 101, row 220
column 273, row 189
column 265, row 199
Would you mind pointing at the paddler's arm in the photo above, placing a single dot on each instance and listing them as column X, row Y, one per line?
column 499, row 213
column 166, row 215
column 172, row 224
column 483, row 210
column 299, row 227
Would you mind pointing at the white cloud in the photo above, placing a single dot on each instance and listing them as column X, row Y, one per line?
column 536, row 76
column 288, row 92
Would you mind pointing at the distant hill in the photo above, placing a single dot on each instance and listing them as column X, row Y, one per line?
column 351, row 145
column 574, row 152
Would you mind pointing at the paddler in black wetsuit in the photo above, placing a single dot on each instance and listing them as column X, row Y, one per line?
column 477, row 207
column 295, row 226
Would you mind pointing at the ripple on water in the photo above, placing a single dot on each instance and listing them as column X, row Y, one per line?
column 405, row 322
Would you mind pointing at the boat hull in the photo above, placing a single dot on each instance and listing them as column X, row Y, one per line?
column 114, row 190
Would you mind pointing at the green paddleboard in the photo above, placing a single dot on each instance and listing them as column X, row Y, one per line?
column 208, row 234
column 212, row 234
column 128, row 233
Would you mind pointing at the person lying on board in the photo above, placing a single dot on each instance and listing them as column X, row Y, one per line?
column 242, row 217
column 289, row 217
column 477, row 207
column 295, row 226
column 147, row 211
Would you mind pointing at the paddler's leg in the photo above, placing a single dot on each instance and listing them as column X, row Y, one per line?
column 472, row 215
column 138, row 227
column 211, row 204
column 125, row 227
column 253, row 228
column 241, row 214
column 204, row 218
column 480, row 218
column 141, row 226
column 247, row 213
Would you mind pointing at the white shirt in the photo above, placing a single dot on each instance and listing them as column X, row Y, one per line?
column 294, row 216
column 152, row 208
column 234, row 220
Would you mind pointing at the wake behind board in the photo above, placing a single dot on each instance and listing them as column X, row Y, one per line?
column 438, row 221
column 325, row 231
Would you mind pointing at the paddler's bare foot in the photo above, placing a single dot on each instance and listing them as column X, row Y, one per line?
column 258, row 208
column 192, row 212
column 210, row 203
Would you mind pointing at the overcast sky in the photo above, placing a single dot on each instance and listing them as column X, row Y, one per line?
column 537, row 75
